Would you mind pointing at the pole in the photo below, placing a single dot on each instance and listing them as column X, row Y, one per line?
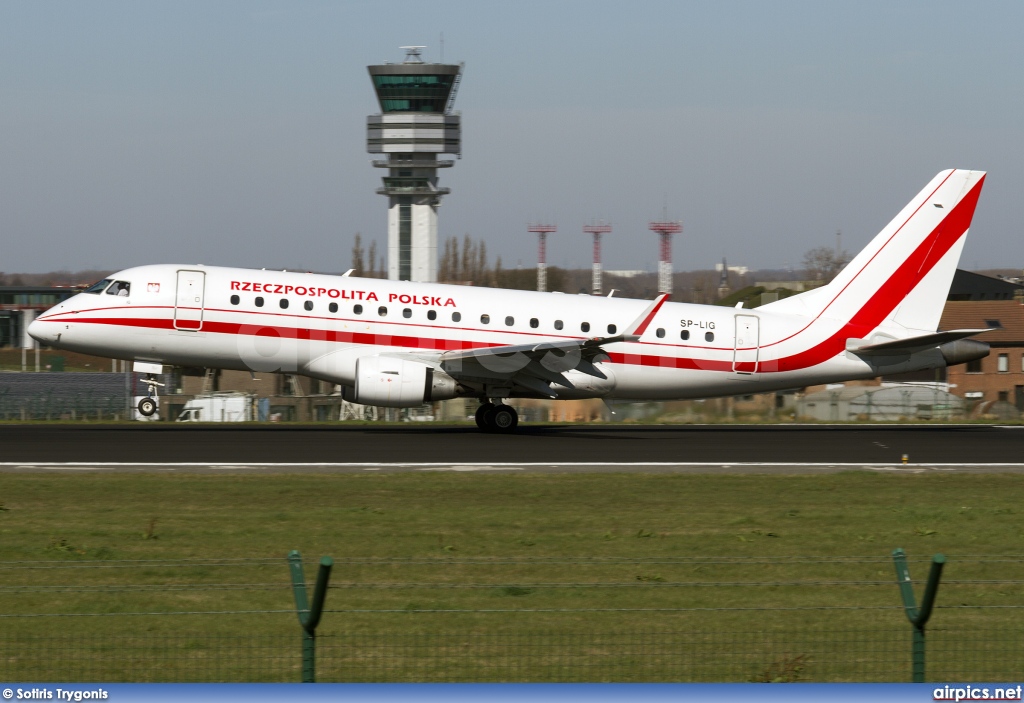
column 309, row 616
column 596, row 272
column 918, row 617
column 542, row 262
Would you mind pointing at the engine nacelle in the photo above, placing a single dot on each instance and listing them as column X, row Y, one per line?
column 400, row 383
column 963, row 350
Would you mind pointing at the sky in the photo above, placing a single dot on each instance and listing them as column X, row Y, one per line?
column 233, row 133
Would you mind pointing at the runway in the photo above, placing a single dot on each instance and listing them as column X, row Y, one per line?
column 582, row 448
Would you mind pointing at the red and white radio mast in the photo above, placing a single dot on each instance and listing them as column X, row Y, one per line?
column 665, row 231
column 597, row 231
column 542, row 253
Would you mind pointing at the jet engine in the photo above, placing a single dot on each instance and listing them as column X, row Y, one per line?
column 392, row 382
column 963, row 350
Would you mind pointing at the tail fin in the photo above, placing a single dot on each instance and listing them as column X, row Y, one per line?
column 902, row 277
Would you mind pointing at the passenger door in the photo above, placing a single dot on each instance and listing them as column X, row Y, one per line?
column 188, row 303
column 744, row 360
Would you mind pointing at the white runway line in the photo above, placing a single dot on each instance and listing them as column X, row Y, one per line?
column 461, row 467
column 497, row 466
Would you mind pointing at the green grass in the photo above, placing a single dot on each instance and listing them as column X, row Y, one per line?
column 440, row 520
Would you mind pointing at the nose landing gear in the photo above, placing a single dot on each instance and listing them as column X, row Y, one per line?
column 496, row 418
column 147, row 406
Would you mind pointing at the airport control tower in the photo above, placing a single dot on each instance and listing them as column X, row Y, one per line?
column 416, row 125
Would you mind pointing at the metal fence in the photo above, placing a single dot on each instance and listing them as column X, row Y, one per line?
column 72, row 396
column 877, row 655
column 469, row 619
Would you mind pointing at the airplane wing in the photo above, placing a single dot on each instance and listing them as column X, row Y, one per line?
column 536, row 365
column 908, row 345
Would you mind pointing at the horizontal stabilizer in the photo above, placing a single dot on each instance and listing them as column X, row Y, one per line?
column 863, row 347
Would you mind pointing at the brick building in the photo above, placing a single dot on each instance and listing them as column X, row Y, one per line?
column 1000, row 375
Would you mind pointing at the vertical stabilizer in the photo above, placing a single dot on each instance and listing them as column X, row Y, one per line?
column 902, row 277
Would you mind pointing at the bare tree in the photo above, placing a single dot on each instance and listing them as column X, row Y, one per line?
column 372, row 268
column 824, row 263
column 358, row 261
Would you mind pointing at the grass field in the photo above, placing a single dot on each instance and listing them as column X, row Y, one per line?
column 440, row 541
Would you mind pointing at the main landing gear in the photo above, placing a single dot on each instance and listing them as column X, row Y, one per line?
column 496, row 418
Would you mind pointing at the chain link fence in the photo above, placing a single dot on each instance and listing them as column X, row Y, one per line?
column 821, row 655
column 467, row 619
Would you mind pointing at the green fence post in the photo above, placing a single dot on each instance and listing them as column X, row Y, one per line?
column 918, row 617
column 309, row 617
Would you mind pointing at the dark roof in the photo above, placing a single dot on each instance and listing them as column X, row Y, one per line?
column 963, row 315
column 23, row 290
column 968, row 285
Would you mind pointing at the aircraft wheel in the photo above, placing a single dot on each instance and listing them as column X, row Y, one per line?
column 147, row 406
column 504, row 418
column 482, row 416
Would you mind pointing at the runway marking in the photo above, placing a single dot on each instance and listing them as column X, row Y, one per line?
column 502, row 465
column 51, row 467
column 489, row 467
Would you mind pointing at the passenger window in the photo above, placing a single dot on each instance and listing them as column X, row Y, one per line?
column 308, row 305
column 357, row 309
column 558, row 324
column 485, row 319
column 284, row 303
column 509, row 321
column 611, row 329
column 456, row 317
column 660, row 333
column 234, row 300
column 535, row 323
column 259, row 302
column 407, row 313
column 709, row 336
column 431, row 314
column 120, row 288
column 684, row 335
column 585, row 326
column 333, row 307
column 97, row 288
column 382, row 311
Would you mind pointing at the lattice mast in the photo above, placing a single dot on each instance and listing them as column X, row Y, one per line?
column 542, row 253
column 665, row 230
column 595, row 278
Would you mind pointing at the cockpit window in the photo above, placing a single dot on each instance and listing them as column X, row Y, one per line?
column 97, row 288
column 121, row 288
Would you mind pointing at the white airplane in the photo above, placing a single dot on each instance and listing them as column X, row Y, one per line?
column 401, row 344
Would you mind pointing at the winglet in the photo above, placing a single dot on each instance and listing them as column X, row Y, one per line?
column 639, row 325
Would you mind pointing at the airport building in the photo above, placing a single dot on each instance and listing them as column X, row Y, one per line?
column 19, row 305
column 415, row 126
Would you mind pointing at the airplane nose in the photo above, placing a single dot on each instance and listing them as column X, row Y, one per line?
column 35, row 330
column 42, row 332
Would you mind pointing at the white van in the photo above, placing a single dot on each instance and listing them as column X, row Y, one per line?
column 218, row 407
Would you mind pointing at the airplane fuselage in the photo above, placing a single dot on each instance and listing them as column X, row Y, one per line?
column 283, row 321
